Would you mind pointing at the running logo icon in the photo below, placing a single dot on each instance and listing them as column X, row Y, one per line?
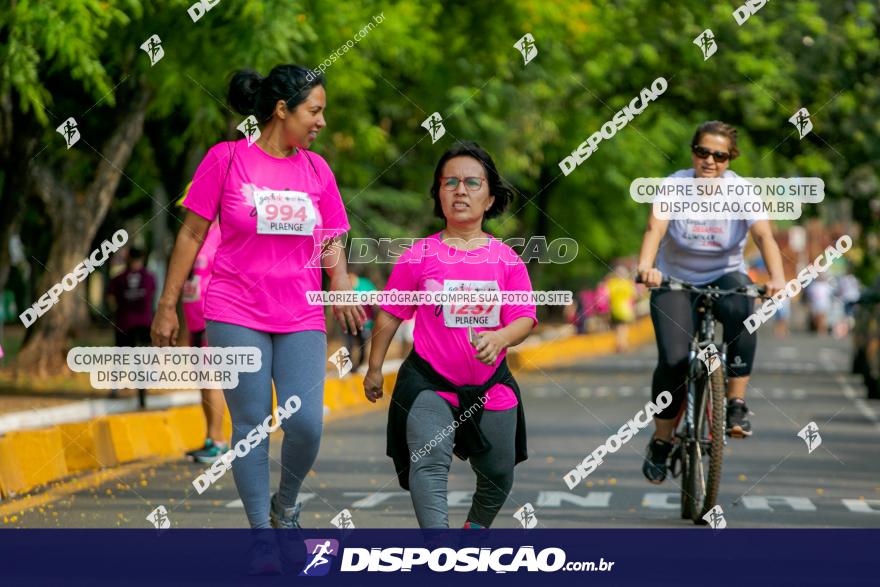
column 159, row 518
column 342, row 359
column 249, row 129
column 343, row 520
column 706, row 42
column 319, row 554
column 69, row 131
column 526, row 46
column 710, row 358
column 801, row 121
column 810, row 434
column 715, row 518
column 153, row 48
column 526, row 516
column 434, row 126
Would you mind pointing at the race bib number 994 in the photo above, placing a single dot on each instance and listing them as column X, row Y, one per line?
column 284, row 212
column 464, row 315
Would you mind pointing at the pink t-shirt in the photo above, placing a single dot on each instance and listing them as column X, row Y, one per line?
column 274, row 214
column 197, row 285
column 431, row 265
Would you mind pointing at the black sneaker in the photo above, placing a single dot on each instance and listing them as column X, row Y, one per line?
column 285, row 518
column 738, row 425
column 654, row 466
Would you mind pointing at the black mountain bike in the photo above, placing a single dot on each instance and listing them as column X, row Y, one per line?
column 698, row 445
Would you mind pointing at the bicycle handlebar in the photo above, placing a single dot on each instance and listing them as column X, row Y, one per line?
column 751, row 290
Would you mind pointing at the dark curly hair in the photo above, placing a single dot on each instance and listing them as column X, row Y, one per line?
column 498, row 187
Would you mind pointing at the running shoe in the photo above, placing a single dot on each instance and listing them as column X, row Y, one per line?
column 284, row 518
column 208, row 453
column 473, row 526
column 654, row 467
column 738, row 425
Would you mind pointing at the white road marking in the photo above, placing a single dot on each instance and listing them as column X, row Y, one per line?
column 662, row 501
column 602, row 500
column 862, row 506
column 373, row 498
column 765, row 503
column 554, row 499
column 303, row 498
column 861, row 405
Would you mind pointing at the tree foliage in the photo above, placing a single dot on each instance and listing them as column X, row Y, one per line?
column 82, row 58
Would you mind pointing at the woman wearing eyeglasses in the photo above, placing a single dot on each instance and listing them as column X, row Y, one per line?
column 454, row 393
column 702, row 252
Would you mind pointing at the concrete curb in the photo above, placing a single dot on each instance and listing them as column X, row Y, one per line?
column 34, row 457
column 571, row 349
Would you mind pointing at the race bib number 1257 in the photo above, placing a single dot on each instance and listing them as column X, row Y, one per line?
column 284, row 212
column 464, row 315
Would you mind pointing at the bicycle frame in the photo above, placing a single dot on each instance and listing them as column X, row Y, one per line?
column 703, row 337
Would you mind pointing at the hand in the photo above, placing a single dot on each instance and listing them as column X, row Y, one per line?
column 165, row 327
column 373, row 384
column 489, row 345
column 351, row 318
column 773, row 286
column 651, row 277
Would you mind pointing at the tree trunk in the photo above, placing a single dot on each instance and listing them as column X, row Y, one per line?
column 75, row 217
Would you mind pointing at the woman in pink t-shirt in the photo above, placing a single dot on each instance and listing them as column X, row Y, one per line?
column 454, row 393
column 279, row 210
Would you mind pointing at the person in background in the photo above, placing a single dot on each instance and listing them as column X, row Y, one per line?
column 781, row 319
column 193, row 297
column 131, row 293
column 360, row 338
column 601, row 307
column 819, row 300
column 621, row 295
column 575, row 312
column 849, row 290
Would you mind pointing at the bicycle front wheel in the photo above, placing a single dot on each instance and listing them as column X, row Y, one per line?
column 715, row 414
column 706, row 452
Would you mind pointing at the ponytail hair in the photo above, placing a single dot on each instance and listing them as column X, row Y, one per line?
column 252, row 94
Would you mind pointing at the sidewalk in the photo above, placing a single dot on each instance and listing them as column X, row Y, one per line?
column 47, row 439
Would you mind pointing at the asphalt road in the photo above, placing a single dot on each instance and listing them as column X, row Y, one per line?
column 769, row 480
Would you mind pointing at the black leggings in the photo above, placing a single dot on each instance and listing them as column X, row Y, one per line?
column 674, row 316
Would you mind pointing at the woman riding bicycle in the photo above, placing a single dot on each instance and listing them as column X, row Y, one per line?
column 702, row 252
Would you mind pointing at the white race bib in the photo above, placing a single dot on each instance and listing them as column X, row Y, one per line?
column 475, row 315
column 192, row 289
column 284, row 212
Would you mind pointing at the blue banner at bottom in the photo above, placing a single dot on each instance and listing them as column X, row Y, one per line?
column 413, row 557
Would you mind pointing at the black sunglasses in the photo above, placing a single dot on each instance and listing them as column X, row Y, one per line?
column 703, row 153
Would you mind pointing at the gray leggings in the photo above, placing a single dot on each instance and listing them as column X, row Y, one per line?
column 430, row 437
column 295, row 362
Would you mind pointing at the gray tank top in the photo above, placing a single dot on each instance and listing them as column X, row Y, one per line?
column 701, row 251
